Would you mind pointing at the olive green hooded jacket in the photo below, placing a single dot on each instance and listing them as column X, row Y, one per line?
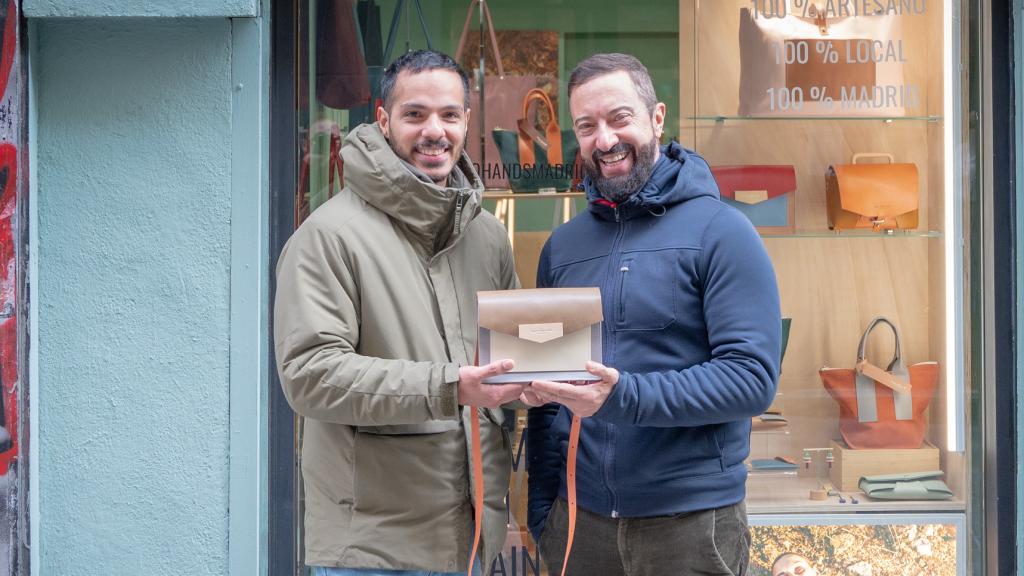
column 375, row 311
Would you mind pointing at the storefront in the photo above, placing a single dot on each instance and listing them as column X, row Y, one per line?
column 160, row 153
column 849, row 133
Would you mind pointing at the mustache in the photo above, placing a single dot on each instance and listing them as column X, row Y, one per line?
column 442, row 143
column 617, row 149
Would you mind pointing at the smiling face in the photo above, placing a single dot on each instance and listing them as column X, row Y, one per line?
column 427, row 121
column 618, row 136
column 793, row 565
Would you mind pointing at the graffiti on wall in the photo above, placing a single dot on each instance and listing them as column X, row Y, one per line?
column 11, row 142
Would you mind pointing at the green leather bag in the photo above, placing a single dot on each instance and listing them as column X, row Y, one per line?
column 912, row 486
column 534, row 165
column 786, row 322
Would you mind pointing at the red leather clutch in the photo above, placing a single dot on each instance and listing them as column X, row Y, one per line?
column 764, row 193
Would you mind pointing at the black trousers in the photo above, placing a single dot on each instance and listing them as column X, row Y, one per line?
column 712, row 542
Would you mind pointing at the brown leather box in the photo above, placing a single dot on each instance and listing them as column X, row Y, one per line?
column 550, row 333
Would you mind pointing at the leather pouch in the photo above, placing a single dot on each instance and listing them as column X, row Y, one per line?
column 765, row 195
column 872, row 196
column 773, row 464
column 882, row 408
column 913, row 486
column 550, row 333
column 768, row 421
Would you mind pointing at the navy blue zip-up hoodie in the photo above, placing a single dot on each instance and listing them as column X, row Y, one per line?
column 692, row 323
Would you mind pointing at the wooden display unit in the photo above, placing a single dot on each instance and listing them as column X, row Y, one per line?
column 850, row 465
column 833, row 283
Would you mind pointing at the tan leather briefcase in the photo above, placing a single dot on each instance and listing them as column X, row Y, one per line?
column 872, row 196
column 550, row 333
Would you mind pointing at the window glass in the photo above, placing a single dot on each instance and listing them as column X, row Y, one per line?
column 835, row 127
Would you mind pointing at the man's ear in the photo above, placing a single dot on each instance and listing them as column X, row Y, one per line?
column 658, row 119
column 384, row 121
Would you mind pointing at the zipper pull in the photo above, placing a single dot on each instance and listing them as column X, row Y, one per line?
column 617, row 220
column 460, row 199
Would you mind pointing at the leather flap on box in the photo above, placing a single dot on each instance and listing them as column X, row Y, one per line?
column 876, row 190
column 755, row 183
column 540, row 314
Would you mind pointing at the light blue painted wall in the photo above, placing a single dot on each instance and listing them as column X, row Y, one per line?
column 135, row 8
column 133, row 191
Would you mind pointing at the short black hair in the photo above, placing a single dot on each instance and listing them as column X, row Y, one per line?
column 420, row 61
column 601, row 64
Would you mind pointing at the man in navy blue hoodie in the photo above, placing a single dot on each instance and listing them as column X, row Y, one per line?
column 690, row 345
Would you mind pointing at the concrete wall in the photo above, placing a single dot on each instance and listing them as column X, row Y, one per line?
column 135, row 8
column 133, row 143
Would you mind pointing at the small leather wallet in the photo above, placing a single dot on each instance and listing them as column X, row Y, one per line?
column 912, row 486
column 777, row 463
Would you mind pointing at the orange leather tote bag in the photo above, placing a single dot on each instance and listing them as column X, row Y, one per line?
column 882, row 408
column 872, row 196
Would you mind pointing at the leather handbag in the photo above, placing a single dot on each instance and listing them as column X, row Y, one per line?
column 495, row 98
column 538, row 163
column 377, row 61
column 341, row 75
column 912, row 486
column 764, row 194
column 872, row 196
column 307, row 200
column 786, row 324
column 816, row 58
column 882, row 408
column 551, row 333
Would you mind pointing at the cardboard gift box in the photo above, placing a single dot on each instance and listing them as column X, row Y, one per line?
column 550, row 333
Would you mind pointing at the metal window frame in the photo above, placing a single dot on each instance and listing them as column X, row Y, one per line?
column 283, row 556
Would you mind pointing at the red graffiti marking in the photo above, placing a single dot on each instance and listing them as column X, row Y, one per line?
column 8, row 41
column 8, row 302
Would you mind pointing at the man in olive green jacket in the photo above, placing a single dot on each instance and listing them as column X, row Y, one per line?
column 375, row 336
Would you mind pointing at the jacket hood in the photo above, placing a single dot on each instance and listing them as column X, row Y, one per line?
column 433, row 215
column 679, row 175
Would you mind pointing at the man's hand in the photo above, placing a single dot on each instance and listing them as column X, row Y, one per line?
column 531, row 398
column 473, row 392
column 584, row 400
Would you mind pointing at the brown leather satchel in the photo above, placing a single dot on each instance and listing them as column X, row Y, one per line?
column 872, row 196
column 550, row 333
column 882, row 408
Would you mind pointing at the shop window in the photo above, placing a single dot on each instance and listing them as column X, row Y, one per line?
column 837, row 128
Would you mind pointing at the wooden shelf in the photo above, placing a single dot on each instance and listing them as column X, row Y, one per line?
column 789, row 494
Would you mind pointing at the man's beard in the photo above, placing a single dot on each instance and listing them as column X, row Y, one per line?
column 407, row 155
column 618, row 189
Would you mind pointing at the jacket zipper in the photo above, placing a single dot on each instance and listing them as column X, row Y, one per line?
column 609, row 469
column 460, row 199
column 609, row 457
column 622, row 291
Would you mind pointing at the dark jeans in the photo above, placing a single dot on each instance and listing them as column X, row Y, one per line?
column 710, row 542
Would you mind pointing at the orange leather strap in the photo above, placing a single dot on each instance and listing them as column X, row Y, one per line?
column 570, row 485
column 478, row 486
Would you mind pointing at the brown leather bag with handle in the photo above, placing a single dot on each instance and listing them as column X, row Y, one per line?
column 882, row 408
column 872, row 196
